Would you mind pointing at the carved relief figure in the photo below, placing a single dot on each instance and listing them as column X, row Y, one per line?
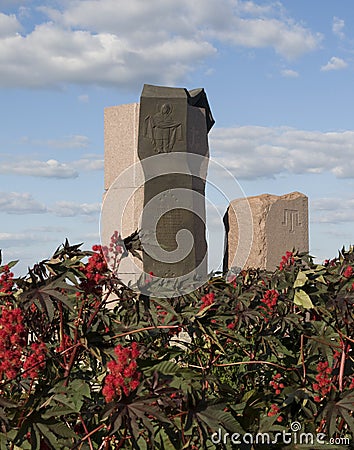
column 162, row 130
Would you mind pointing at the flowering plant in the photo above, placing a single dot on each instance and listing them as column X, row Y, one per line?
column 86, row 363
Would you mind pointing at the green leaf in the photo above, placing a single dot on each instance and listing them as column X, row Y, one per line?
column 4, row 442
column 57, row 412
column 167, row 368
column 204, row 311
column 347, row 401
column 59, row 296
column 347, row 417
column 7, row 404
column 301, row 280
column 302, row 299
column 47, row 434
column 166, row 441
column 70, row 398
column 165, row 305
column 210, row 333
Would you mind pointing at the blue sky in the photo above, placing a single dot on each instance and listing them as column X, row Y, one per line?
column 278, row 75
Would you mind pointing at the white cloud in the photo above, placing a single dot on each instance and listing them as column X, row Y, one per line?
column 251, row 151
column 337, row 27
column 79, row 56
column 115, row 42
column 14, row 237
column 289, row 73
column 72, row 209
column 47, row 169
column 47, row 229
column 20, row 203
column 84, row 98
column 333, row 210
column 24, row 203
column 249, row 7
column 88, row 164
column 9, row 26
column 68, row 142
column 23, row 239
column 288, row 39
column 52, row 168
column 334, row 63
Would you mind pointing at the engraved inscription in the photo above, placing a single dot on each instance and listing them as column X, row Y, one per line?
column 291, row 219
column 171, row 220
column 168, row 226
column 162, row 129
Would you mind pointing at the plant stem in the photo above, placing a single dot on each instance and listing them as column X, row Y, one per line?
column 240, row 363
column 143, row 329
column 302, row 358
column 86, row 431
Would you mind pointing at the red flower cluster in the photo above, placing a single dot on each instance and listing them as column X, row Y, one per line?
column 329, row 262
column 6, row 280
column 324, row 380
column 207, row 299
column 12, row 340
column 114, row 252
column 161, row 313
column 286, row 260
column 95, row 268
column 348, row 272
column 274, row 410
column 124, row 376
column 35, row 361
column 270, row 299
column 276, row 385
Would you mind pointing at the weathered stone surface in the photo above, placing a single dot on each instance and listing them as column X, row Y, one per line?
column 121, row 124
column 172, row 126
column 280, row 224
column 129, row 201
column 123, row 206
column 174, row 199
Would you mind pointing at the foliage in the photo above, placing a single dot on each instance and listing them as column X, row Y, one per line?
column 86, row 363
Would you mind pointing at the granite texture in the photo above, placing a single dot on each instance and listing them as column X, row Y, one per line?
column 278, row 224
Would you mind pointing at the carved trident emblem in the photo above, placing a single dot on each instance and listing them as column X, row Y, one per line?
column 291, row 219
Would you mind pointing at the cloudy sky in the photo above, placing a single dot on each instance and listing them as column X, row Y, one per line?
column 278, row 75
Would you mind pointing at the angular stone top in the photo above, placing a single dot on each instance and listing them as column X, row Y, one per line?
column 195, row 97
column 150, row 90
column 271, row 198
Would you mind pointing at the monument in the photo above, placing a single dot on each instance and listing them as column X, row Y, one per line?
column 280, row 224
column 174, row 124
column 156, row 160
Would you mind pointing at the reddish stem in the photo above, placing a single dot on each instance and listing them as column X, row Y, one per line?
column 74, row 353
column 86, row 431
column 341, row 367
